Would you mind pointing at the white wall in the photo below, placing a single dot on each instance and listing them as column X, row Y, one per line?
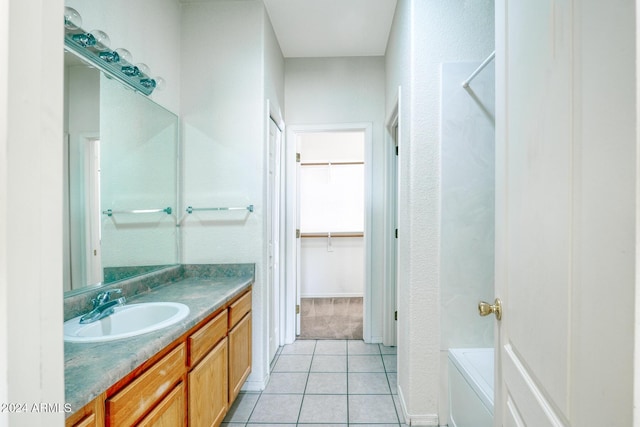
column 149, row 29
column 425, row 34
column 468, row 213
column 323, row 91
column 230, row 66
column 31, row 116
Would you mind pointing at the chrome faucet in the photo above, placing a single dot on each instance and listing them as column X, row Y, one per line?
column 103, row 306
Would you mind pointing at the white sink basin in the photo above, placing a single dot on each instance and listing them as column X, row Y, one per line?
column 126, row 321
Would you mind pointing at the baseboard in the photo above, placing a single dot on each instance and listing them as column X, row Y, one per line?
column 255, row 385
column 413, row 419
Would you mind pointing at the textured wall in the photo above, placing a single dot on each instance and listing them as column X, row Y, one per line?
column 323, row 91
column 425, row 34
column 467, row 217
column 230, row 64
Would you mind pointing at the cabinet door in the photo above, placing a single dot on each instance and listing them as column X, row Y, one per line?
column 169, row 412
column 239, row 356
column 208, row 385
column 92, row 415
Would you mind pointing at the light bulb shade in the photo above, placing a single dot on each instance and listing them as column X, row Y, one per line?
column 72, row 19
column 124, row 55
column 160, row 83
column 102, row 41
column 144, row 68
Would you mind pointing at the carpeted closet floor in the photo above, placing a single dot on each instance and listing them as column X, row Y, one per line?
column 331, row 318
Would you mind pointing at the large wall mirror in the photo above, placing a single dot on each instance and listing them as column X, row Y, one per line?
column 121, row 181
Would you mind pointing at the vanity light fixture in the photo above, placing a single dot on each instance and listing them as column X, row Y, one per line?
column 94, row 47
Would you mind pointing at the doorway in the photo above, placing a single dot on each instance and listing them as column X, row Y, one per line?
column 331, row 200
column 328, row 229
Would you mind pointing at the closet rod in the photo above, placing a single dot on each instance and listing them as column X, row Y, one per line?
column 336, row 234
column 330, row 163
column 473, row 75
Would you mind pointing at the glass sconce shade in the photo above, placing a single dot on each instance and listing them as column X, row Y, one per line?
column 102, row 40
column 160, row 83
column 95, row 39
column 124, row 55
column 72, row 19
column 144, row 68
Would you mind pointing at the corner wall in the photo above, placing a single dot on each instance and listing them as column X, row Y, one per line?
column 229, row 68
column 31, row 116
column 330, row 91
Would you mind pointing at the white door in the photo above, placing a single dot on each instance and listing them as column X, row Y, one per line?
column 565, row 214
column 273, row 231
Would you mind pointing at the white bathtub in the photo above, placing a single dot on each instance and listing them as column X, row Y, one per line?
column 471, row 387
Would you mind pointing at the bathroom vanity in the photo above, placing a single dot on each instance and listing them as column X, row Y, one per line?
column 188, row 373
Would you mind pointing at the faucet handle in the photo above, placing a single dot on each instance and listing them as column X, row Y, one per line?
column 104, row 297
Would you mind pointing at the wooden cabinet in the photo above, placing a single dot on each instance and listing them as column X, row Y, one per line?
column 169, row 412
column 239, row 344
column 208, row 386
column 92, row 415
column 208, row 378
column 193, row 381
column 133, row 401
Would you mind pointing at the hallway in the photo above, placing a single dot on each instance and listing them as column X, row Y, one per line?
column 325, row 382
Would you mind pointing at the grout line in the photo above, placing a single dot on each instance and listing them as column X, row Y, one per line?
column 304, row 392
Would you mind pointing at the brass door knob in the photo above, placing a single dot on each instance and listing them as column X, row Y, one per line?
column 485, row 309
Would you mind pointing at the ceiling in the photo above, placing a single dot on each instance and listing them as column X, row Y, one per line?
column 327, row 28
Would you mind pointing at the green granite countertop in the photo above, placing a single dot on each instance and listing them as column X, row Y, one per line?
column 91, row 368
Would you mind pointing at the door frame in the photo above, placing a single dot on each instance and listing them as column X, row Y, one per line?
column 291, row 256
column 391, row 215
column 274, row 115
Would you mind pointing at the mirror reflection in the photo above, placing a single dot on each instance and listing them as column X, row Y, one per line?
column 121, row 181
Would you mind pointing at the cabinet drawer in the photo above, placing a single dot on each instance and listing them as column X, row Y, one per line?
column 125, row 407
column 169, row 412
column 207, row 337
column 238, row 309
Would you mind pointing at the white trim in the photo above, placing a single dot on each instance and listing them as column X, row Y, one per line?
column 390, row 298
column 291, row 184
column 416, row 420
column 274, row 114
column 346, row 295
column 254, row 386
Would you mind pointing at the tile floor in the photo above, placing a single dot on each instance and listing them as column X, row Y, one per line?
column 325, row 383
